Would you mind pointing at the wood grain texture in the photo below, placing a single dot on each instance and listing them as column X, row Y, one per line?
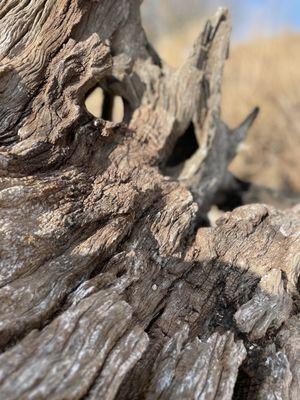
column 111, row 285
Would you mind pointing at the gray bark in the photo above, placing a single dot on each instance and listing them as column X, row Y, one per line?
column 110, row 286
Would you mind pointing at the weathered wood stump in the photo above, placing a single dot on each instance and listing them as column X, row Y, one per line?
column 113, row 285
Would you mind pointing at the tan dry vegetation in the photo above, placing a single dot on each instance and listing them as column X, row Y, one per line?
column 266, row 72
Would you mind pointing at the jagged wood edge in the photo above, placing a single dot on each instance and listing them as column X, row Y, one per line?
column 95, row 233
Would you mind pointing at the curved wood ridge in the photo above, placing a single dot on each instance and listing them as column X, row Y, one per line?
column 110, row 287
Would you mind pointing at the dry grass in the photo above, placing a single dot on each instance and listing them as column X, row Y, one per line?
column 267, row 73
column 264, row 72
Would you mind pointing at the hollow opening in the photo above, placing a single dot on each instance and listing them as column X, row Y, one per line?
column 231, row 198
column 121, row 272
column 184, row 148
column 242, row 386
column 102, row 104
column 70, row 138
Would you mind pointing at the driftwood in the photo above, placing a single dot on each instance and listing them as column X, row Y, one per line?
column 113, row 286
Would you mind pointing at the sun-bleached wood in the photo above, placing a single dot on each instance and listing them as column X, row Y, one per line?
column 111, row 286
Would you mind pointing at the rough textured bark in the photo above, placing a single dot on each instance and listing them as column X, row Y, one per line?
column 111, row 287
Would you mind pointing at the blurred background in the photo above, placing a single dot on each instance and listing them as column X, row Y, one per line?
column 263, row 69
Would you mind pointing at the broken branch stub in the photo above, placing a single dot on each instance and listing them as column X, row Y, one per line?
column 109, row 288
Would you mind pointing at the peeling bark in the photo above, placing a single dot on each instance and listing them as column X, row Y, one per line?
column 110, row 285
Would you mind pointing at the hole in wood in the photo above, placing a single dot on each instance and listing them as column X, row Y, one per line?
column 70, row 138
column 118, row 109
column 102, row 104
column 185, row 147
column 94, row 102
column 242, row 386
column 121, row 272
column 231, row 198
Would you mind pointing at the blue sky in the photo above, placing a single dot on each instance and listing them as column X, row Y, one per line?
column 263, row 17
column 250, row 17
column 294, row 13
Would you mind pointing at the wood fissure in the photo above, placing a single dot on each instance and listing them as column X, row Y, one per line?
column 110, row 285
